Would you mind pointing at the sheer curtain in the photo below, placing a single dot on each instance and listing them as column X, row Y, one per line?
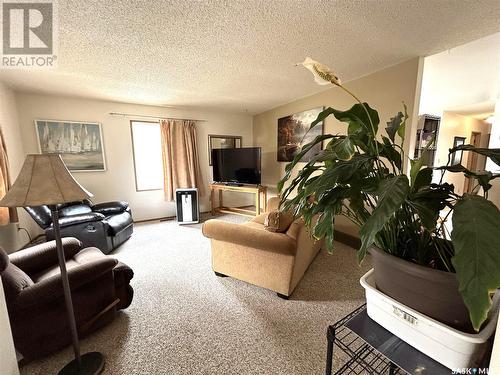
column 181, row 166
column 7, row 215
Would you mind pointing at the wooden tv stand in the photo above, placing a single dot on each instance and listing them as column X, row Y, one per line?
column 257, row 190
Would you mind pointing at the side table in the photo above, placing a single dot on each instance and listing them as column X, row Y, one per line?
column 371, row 349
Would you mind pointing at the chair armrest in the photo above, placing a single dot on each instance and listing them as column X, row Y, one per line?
column 38, row 257
column 51, row 288
column 248, row 236
column 110, row 208
column 79, row 219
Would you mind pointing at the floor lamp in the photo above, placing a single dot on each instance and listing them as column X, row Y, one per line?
column 45, row 180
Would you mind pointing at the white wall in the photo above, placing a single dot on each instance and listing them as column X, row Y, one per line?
column 454, row 125
column 462, row 76
column 118, row 182
column 10, row 238
column 494, row 193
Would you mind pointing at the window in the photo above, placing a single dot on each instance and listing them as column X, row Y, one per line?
column 146, row 141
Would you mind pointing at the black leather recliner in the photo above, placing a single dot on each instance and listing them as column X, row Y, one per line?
column 104, row 225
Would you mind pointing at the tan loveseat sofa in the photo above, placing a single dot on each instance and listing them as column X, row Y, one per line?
column 249, row 252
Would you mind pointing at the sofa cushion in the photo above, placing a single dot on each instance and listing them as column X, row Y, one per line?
column 74, row 209
column 110, row 208
column 86, row 255
column 117, row 223
column 52, row 271
column 250, row 234
column 90, row 217
column 278, row 221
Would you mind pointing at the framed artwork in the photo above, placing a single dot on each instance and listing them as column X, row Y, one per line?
column 79, row 143
column 292, row 134
column 456, row 158
column 222, row 141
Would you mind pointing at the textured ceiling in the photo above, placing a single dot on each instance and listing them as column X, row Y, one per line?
column 239, row 55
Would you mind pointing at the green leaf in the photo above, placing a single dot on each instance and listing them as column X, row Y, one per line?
column 324, row 228
column 305, row 149
column 391, row 195
column 492, row 153
column 342, row 171
column 402, row 127
column 427, row 215
column 429, row 199
column 388, row 151
column 483, row 177
column 393, row 125
column 423, row 178
column 343, row 148
column 417, row 164
column 477, row 253
column 356, row 117
column 322, row 116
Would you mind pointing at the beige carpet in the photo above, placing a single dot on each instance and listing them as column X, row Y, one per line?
column 185, row 320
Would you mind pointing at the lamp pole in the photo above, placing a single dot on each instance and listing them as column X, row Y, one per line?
column 45, row 179
column 65, row 282
column 91, row 363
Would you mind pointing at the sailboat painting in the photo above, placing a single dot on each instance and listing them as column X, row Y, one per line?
column 79, row 143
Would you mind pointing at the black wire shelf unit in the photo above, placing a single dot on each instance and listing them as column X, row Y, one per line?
column 372, row 350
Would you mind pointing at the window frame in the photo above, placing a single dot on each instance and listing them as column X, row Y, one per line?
column 133, row 155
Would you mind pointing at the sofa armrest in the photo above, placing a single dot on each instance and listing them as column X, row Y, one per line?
column 260, row 219
column 248, row 236
column 79, row 219
column 38, row 257
column 273, row 204
column 110, row 208
column 51, row 288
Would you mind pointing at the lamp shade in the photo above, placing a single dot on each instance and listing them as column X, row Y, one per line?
column 44, row 180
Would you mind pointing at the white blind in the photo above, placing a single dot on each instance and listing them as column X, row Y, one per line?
column 146, row 138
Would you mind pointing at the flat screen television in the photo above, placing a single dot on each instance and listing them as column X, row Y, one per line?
column 236, row 165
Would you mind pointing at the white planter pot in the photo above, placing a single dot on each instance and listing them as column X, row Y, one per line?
column 448, row 346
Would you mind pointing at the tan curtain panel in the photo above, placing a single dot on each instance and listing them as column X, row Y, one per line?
column 7, row 215
column 181, row 166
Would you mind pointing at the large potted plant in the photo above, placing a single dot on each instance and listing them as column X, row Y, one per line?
column 403, row 219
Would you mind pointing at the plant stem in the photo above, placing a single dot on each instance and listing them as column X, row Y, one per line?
column 367, row 113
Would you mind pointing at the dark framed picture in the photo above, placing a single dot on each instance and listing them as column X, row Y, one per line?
column 292, row 134
column 456, row 157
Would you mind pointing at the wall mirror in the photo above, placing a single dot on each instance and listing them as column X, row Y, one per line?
column 222, row 141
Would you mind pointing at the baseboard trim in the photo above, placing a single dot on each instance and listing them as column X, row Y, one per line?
column 347, row 239
column 164, row 218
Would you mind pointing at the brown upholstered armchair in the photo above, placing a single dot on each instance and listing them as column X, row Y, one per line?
column 34, row 294
column 248, row 252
